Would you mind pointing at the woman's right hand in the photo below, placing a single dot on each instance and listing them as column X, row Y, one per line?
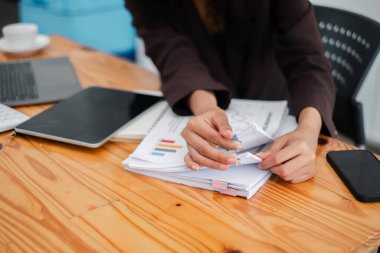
column 206, row 131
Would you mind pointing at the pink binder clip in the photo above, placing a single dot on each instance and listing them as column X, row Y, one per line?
column 229, row 191
column 219, row 184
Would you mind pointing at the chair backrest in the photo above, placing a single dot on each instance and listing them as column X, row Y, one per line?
column 351, row 44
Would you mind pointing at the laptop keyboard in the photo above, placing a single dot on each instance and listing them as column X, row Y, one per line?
column 17, row 82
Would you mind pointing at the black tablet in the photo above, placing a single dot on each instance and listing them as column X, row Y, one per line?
column 88, row 118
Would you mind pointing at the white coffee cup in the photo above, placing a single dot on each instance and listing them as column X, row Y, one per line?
column 20, row 36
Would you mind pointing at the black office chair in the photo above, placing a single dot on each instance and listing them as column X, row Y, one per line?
column 351, row 44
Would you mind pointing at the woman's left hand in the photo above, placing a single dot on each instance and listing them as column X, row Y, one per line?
column 292, row 156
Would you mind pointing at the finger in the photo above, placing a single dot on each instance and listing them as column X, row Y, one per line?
column 279, row 157
column 293, row 168
column 214, row 145
column 190, row 163
column 262, row 155
column 302, row 178
column 210, row 135
column 207, row 150
column 222, row 125
column 278, row 144
column 204, row 161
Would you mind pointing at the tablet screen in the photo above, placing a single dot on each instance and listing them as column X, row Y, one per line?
column 88, row 118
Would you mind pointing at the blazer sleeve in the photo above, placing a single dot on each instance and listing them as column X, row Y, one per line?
column 300, row 54
column 181, row 69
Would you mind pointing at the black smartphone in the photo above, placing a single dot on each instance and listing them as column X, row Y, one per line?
column 360, row 172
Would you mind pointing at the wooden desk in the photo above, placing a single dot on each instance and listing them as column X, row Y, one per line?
column 62, row 198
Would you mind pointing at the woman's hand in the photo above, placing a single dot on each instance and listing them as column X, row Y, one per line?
column 292, row 156
column 206, row 131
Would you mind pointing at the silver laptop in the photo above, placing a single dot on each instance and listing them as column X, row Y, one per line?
column 36, row 81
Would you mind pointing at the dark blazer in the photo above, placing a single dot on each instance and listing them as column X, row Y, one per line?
column 271, row 51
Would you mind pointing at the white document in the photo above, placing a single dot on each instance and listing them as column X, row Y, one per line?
column 165, row 148
column 244, row 180
column 255, row 182
column 241, row 174
column 266, row 114
column 242, row 177
column 164, row 144
column 241, row 180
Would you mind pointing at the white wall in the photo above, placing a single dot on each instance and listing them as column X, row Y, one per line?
column 369, row 95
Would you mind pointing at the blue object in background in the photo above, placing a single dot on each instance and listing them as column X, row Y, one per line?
column 101, row 24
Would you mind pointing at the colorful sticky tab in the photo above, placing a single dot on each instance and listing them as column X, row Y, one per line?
column 219, row 185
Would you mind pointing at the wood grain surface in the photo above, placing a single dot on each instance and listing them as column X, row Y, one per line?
column 56, row 197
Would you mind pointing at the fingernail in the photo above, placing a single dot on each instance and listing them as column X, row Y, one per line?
column 223, row 167
column 259, row 154
column 259, row 166
column 195, row 167
column 239, row 147
column 231, row 161
column 227, row 134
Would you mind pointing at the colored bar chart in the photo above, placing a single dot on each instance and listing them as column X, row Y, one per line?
column 165, row 146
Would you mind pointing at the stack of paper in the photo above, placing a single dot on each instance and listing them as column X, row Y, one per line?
column 254, row 123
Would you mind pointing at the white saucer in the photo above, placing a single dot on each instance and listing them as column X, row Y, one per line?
column 41, row 42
